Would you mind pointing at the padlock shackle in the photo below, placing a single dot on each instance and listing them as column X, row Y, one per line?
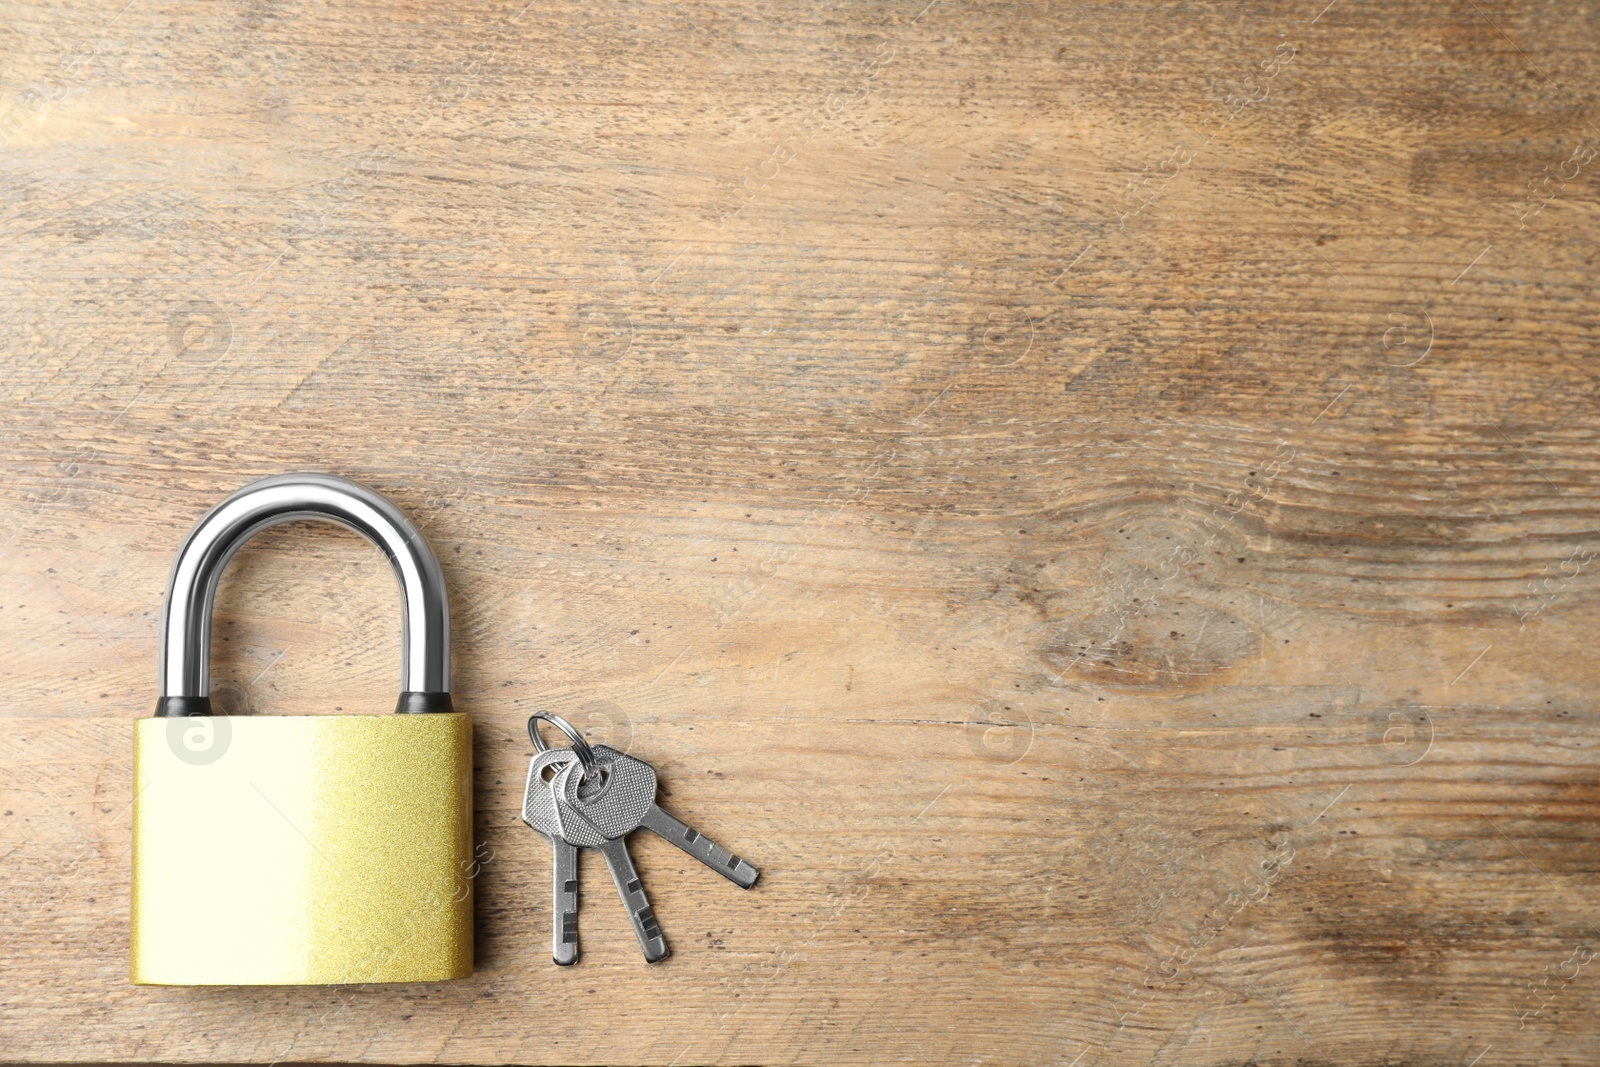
column 185, row 675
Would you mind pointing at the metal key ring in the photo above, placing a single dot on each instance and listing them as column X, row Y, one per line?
column 591, row 766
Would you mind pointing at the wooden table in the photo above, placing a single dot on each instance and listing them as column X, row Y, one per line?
column 1098, row 502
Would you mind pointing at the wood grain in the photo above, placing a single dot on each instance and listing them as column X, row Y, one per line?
column 1096, row 501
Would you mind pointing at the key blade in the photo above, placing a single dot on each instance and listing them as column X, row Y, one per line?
column 662, row 823
column 564, row 914
column 640, row 913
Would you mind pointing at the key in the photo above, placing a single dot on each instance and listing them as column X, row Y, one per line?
column 581, row 832
column 624, row 800
column 539, row 812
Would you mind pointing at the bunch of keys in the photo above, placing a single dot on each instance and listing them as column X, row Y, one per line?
column 583, row 797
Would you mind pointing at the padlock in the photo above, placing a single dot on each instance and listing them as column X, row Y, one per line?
column 302, row 849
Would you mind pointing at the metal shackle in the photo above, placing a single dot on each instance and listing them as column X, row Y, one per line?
column 186, row 616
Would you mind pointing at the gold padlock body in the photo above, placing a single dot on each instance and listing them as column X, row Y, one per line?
column 313, row 850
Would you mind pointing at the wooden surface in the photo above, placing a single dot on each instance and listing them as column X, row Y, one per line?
column 1098, row 502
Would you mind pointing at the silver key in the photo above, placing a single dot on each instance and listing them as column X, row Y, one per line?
column 539, row 812
column 579, row 831
column 624, row 800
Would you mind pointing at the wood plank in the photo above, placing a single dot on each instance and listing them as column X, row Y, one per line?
column 1097, row 502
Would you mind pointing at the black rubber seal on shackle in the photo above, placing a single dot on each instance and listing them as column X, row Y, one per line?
column 174, row 707
column 424, row 704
